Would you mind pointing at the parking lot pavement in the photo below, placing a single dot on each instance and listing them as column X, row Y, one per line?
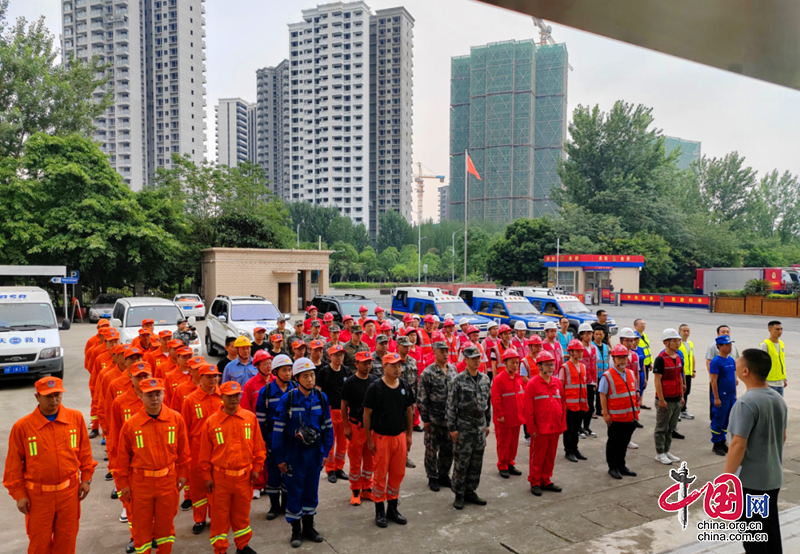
column 594, row 513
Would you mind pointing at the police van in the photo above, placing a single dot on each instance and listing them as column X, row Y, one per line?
column 29, row 341
column 552, row 302
column 505, row 308
column 430, row 300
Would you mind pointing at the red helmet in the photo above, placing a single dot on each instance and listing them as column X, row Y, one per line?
column 429, row 319
column 347, row 318
column 386, row 326
column 362, row 308
column 327, row 317
column 408, row 318
column 535, row 339
column 312, row 308
column 260, row 356
column 378, row 310
column 504, row 328
column 619, row 350
column 437, row 337
column 545, row 356
column 409, row 330
column 472, row 329
column 510, row 353
column 575, row 344
column 449, row 323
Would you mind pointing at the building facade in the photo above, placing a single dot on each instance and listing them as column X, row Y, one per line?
column 508, row 108
column 691, row 151
column 444, row 203
column 391, row 37
column 156, row 55
column 234, row 131
column 272, row 125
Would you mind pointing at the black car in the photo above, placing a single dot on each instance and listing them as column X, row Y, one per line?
column 348, row 304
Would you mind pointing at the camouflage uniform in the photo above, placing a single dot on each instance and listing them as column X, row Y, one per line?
column 350, row 351
column 434, row 385
column 308, row 338
column 326, row 359
column 377, row 366
column 285, row 334
column 410, row 373
column 186, row 337
column 469, row 411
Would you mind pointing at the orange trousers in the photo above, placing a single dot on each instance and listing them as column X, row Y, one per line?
column 361, row 462
column 197, row 490
column 52, row 520
column 154, row 505
column 339, row 449
column 507, row 444
column 390, row 466
column 230, row 509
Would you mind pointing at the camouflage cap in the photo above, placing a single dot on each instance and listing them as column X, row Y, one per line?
column 472, row 352
column 440, row 345
column 356, row 329
column 403, row 341
column 334, row 328
column 382, row 339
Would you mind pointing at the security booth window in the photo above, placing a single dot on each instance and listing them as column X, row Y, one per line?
column 566, row 279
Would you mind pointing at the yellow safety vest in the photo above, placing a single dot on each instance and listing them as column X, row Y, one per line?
column 644, row 342
column 688, row 357
column 778, row 371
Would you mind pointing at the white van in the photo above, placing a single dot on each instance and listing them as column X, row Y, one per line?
column 129, row 313
column 29, row 339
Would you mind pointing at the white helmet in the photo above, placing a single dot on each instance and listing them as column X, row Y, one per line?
column 581, row 329
column 668, row 334
column 627, row 333
column 492, row 323
column 281, row 360
column 448, row 316
column 302, row 365
column 463, row 321
column 519, row 325
column 550, row 325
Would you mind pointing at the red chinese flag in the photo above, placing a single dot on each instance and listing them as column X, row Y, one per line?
column 471, row 168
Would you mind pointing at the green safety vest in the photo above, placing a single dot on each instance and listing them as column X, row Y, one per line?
column 778, row 371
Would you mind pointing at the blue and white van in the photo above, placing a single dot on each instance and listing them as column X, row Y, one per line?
column 30, row 344
column 430, row 300
column 551, row 302
column 505, row 308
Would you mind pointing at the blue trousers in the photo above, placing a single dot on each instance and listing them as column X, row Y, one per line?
column 275, row 479
column 302, row 486
column 719, row 417
column 641, row 382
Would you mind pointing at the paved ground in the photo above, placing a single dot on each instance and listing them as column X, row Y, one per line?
column 594, row 513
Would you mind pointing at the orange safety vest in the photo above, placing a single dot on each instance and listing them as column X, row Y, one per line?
column 575, row 388
column 622, row 405
column 452, row 347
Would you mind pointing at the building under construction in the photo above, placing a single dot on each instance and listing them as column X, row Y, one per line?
column 508, row 107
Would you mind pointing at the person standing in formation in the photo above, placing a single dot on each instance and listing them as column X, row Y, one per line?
column 573, row 375
column 330, row 380
column 668, row 375
column 361, row 462
column 617, row 389
column 507, row 407
column 589, row 361
column 722, row 371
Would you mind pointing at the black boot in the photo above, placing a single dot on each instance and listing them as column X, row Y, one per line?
column 296, row 540
column 394, row 515
column 433, row 484
column 380, row 515
column 274, row 507
column 308, row 530
column 284, row 501
column 444, row 481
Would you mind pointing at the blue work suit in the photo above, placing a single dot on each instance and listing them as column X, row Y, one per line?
column 725, row 369
column 266, row 406
column 305, row 462
column 239, row 372
column 640, row 353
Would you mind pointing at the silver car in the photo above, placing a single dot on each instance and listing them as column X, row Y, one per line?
column 101, row 307
column 191, row 305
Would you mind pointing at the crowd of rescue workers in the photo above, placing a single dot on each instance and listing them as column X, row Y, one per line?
column 276, row 411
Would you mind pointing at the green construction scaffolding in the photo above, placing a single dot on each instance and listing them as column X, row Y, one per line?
column 508, row 108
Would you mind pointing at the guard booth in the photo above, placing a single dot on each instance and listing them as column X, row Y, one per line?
column 595, row 274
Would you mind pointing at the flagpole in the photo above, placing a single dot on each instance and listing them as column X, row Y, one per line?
column 466, row 210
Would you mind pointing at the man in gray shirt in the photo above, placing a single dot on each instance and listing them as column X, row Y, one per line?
column 758, row 430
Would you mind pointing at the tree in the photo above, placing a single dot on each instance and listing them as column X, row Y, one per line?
column 725, row 187
column 369, row 260
column 345, row 260
column 245, row 230
column 360, row 237
column 39, row 95
column 393, row 230
column 773, row 207
column 388, row 259
column 519, row 255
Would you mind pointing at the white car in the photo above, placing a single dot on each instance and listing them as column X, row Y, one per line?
column 129, row 313
column 191, row 305
column 235, row 316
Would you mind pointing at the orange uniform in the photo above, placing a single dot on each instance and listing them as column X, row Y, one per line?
column 197, row 408
column 173, row 380
column 93, row 342
column 181, row 393
column 153, row 454
column 121, row 409
column 47, row 461
column 232, row 449
column 158, row 360
column 99, row 397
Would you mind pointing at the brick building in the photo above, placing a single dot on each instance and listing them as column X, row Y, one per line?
column 288, row 278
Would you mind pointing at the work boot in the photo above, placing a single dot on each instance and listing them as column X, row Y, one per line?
column 130, row 548
column 245, row 550
column 332, row 476
column 94, row 433
column 513, row 471
column 284, row 501
column 274, row 507
column 627, row 472
column 444, row 481
column 614, row 472
column 433, row 484
column 410, row 464
column 580, row 456
column 308, row 530
column 198, row 527
column 340, row 474
column 536, row 490
column 355, row 499
column 504, row 473
column 724, row 446
column 552, row 487
column 296, row 541
column 571, row 457
column 380, row 515
column 394, row 515
column 473, row 498
column 718, row 449
column 186, row 505
column 459, row 502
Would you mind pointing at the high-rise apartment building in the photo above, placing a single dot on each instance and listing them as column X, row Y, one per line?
column 508, row 107
column 390, row 110
column 349, row 107
column 235, row 120
column 272, row 125
column 444, row 203
column 156, row 55
column 691, row 151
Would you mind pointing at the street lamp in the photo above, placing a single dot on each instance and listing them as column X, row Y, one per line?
column 298, row 232
column 419, row 257
column 454, row 254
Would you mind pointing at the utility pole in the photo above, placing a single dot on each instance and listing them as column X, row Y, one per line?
column 454, row 255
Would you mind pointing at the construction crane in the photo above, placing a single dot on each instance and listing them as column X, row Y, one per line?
column 419, row 178
column 545, row 34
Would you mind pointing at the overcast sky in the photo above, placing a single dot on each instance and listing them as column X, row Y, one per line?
column 724, row 111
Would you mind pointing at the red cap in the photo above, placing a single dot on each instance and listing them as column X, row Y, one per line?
column 185, row 351
column 231, row 387
column 327, row 317
column 379, row 310
column 260, row 356
column 575, row 344
column 510, row 353
column 535, row 339
column 619, row 350
column 143, row 332
column 260, row 329
column 391, row 358
column 276, row 337
column 141, row 367
column 316, row 344
column 148, row 322
column 149, row 385
column 49, row 385
column 133, row 352
column 208, row 369
column 336, row 348
column 503, row 329
column 363, row 356
column 297, row 344
column 545, row 356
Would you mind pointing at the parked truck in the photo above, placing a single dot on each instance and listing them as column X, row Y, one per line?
column 734, row 278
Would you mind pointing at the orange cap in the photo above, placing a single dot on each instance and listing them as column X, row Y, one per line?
column 276, row 337
column 143, row 332
column 208, row 369
column 391, row 358
column 119, row 349
column 133, row 352
column 231, row 387
column 334, row 349
column 164, row 333
column 149, row 385
column 103, row 323
column 260, row 329
column 148, row 322
column 141, row 367
column 185, row 351
column 297, row 344
column 363, row 356
column 316, row 344
column 196, row 362
column 175, row 343
column 49, row 385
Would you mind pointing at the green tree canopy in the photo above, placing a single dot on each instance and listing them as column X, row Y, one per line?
column 394, row 230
